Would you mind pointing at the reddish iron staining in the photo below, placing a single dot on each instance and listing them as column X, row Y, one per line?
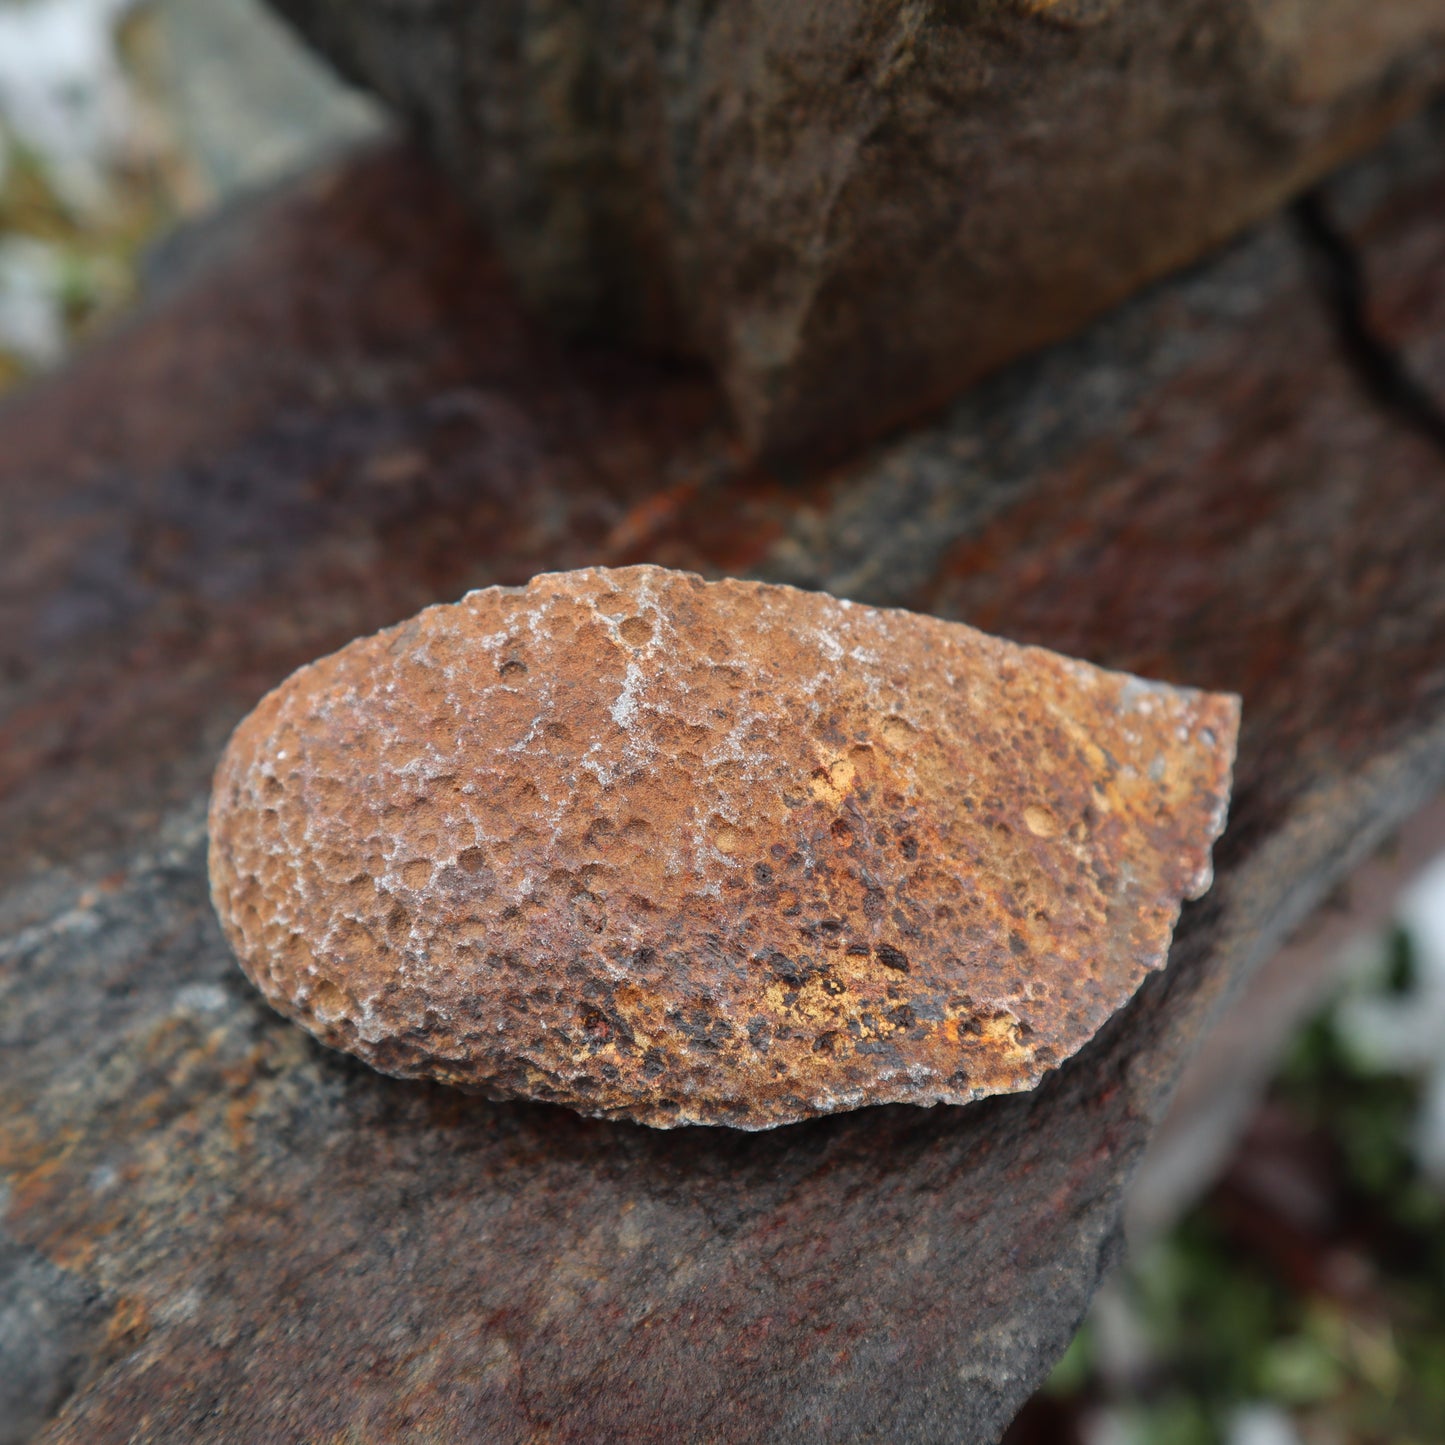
column 726, row 853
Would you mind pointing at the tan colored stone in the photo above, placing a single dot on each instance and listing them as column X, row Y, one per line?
column 726, row 853
column 855, row 209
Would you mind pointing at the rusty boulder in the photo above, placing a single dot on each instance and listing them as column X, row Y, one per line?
column 725, row 853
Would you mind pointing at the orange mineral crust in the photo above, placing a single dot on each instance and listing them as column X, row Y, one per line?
column 710, row 853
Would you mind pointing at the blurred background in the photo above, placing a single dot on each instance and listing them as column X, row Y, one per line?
column 121, row 121
column 1301, row 1299
column 1285, row 1284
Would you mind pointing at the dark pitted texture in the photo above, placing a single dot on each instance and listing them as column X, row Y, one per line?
column 723, row 853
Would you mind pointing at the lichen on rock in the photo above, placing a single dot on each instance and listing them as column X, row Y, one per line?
column 723, row 853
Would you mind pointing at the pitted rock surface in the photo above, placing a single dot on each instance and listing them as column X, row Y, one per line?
column 724, row 853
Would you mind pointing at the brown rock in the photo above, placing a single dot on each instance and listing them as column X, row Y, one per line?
column 724, row 853
column 215, row 1226
column 854, row 209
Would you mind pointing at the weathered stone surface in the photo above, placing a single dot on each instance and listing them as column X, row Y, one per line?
column 235, row 1234
column 711, row 853
column 856, row 207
